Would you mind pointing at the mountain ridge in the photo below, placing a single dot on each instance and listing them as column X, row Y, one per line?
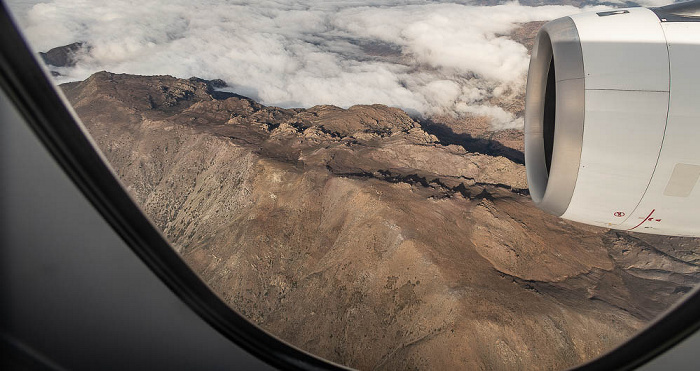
column 358, row 235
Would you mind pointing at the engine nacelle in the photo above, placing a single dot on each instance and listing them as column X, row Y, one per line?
column 612, row 122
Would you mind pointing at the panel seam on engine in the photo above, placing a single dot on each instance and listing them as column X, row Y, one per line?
column 663, row 137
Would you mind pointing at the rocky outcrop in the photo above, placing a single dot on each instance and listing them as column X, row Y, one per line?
column 526, row 33
column 372, row 239
column 63, row 56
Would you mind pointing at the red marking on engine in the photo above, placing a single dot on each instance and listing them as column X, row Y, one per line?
column 619, row 214
column 645, row 219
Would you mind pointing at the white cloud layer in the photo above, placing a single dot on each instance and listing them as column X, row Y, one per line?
column 426, row 57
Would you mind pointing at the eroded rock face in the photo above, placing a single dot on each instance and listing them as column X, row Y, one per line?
column 371, row 239
column 526, row 33
column 63, row 56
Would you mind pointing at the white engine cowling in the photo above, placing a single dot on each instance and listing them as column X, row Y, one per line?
column 612, row 122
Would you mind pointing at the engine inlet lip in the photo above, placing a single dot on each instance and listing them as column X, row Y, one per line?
column 549, row 115
column 554, row 129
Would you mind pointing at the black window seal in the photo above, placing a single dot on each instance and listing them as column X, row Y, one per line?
column 38, row 101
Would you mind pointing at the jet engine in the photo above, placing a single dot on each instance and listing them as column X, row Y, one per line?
column 612, row 122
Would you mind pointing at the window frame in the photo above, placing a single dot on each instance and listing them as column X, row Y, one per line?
column 50, row 117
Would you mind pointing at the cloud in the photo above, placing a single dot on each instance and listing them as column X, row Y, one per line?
column 428, row 58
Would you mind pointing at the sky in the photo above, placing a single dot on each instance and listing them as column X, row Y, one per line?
column 426, row 57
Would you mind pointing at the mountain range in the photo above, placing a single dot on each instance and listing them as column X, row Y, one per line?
column 376, row 239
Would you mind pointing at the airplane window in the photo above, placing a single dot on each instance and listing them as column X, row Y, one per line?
column 350, row 176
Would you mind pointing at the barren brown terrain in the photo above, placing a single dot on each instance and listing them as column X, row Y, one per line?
column 372, row 239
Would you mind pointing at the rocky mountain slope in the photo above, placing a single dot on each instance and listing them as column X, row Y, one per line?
column 371, row 239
